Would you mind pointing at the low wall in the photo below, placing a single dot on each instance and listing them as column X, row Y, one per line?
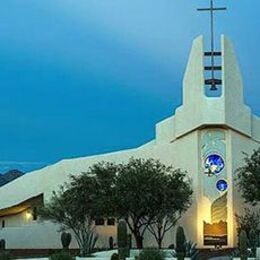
column 46, row 235
column 30, row 236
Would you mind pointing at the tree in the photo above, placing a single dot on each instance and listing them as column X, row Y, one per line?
column 150, row 195
column 248, row 178
column 176, row 198
column 249, row 221
column 146, row 193
column 78, row 203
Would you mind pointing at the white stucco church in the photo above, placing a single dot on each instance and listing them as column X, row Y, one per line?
column 206, row 137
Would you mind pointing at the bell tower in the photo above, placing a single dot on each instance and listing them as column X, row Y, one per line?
column 227, row 109
column 213, row 106
column 213, row 86
column 208, row 135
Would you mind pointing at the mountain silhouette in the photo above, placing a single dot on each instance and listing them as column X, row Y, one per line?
column 9, row 176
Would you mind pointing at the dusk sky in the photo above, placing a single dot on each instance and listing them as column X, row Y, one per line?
column 83, row 77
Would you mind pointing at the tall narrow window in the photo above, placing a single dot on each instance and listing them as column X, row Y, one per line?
column 3, row 223
column 213, row 74
column 34, row 213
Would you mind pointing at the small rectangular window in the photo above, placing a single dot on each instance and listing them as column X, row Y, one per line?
column 100, row 222
column 110, row 221
column 3, row 223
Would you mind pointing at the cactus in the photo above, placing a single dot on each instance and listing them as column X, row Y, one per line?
column 65, row 240
column 243, row 245
column 111, row 243
column 4, row 255
column 122, row 239
column 115, row 256
column 180, row 243
column 253, row 240
column 129, row 244
column 2, row 244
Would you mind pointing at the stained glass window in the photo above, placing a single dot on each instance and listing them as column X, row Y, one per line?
column 214, row 164
column 222, row 185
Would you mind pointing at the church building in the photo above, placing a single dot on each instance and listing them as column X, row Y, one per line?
column 206, row 136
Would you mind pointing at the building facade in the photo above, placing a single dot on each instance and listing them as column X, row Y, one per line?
column 206, row 136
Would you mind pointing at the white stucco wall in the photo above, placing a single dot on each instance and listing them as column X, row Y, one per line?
column 51, row 177
column 16, row 220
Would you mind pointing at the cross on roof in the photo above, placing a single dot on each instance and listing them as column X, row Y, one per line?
column 212, row 9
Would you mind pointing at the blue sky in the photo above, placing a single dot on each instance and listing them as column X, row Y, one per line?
column 81, row 77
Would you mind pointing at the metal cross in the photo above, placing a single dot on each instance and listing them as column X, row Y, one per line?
column 212, row 9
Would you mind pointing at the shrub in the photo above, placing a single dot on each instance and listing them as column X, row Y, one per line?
column 5, row 255
column 191, row 251
column 151, row 254
column 2, row 244
column 171, row 246
column 243, row 244
column 115, row 256
column 235, row 253
column 249, row 221
column 65, row 240
column 111, row 243
column 61, row 256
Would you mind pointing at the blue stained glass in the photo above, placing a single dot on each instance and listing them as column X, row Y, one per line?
column 222, row 185
column 214, row 163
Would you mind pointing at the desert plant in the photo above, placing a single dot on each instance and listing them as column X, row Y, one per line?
column 5, row 255
column 235, row 253
column 180, row 243
column 151, row 254
column 2, row 244
column 65, row 240
column 243, row 245
column 61, row 256
column 90, row 242
column 248, row 221
column 111, row 243
column 253, row 240
column 122, row 239
column 171, row 246
column 191, row 250
column 129, row 241
column 115, row 256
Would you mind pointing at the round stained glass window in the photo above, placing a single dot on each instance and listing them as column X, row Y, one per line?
column 214, row 164
column 222, row 185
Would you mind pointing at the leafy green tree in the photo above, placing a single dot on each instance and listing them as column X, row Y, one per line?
column 150, row 196
column 248, row 178
column 249, row 221
column 78, row 203
column 146, row 193
column 176, row 198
